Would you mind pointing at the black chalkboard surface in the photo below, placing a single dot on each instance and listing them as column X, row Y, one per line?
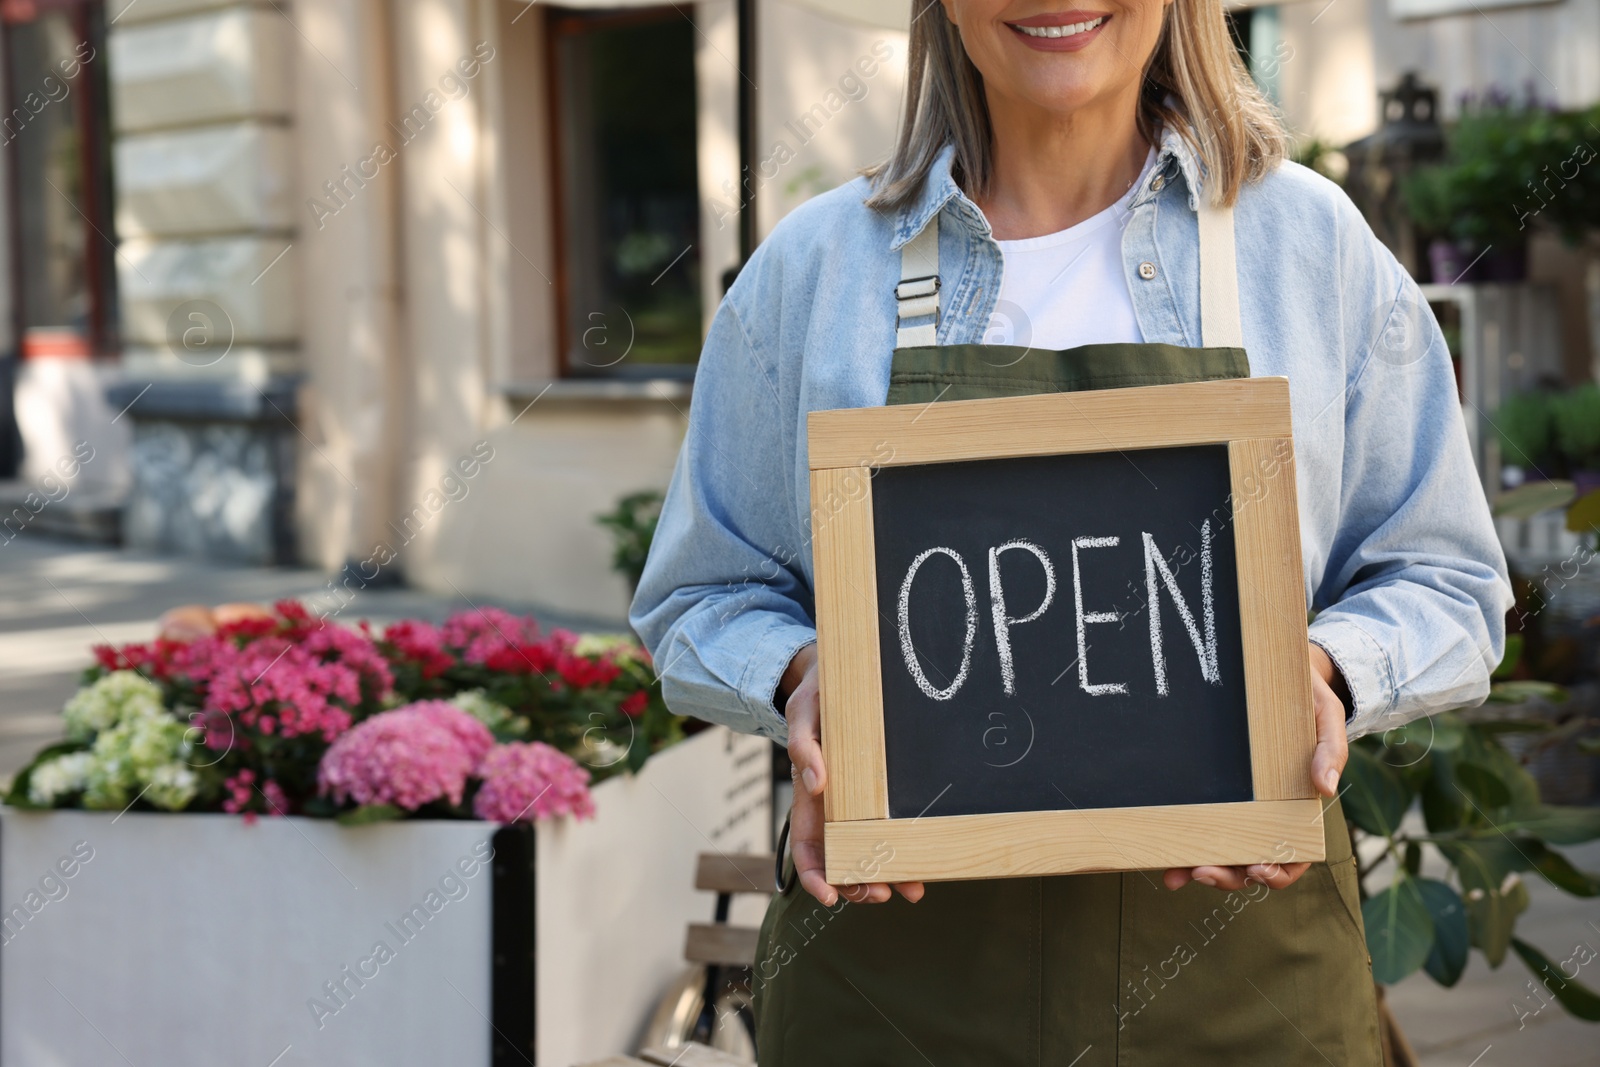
column 992, row 705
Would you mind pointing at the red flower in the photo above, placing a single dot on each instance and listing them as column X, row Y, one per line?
column 634, row 705
column 581, row 673
column 421, row 643
column 535, row 657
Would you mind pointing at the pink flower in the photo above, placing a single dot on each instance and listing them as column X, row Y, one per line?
column 354, row 651
column 239, row 789
column 473, row 735
column 408, row 757
column 421, row 643
column 482, row 632
column 524, row 781
column 277, row 799
column 306, row 695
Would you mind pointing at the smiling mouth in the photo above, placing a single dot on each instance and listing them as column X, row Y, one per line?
column 1070, row 30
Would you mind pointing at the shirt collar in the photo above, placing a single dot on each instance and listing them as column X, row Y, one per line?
column 939, row 188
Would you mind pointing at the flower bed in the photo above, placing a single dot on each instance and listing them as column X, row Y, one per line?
column 258, row 712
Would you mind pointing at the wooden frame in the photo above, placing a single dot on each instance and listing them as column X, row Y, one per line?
column 1283, row 822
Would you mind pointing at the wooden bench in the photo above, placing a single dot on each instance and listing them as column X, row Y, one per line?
column 688, row 1011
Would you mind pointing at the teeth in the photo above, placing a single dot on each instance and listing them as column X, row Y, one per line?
column 1061, row 31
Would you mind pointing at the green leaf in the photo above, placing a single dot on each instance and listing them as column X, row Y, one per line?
column 1575, row 997
column 1484, row 786
column 1375, row 797
column 1560, row 871
column 1491, row 915
column 1584, row 515
column 1509, row 661
column 1496, row 727
column 1524, row 789
column 370, row 813
column 1413, row 861
column 1559, row 824
column 1532, row 498
column 1522, row 692
column 1399, row 930
column 1443, row 806
column 1589, row 746
column 1452, row 940
column 1407, row 745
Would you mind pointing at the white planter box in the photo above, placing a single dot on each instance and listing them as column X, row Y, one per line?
column 197, row 940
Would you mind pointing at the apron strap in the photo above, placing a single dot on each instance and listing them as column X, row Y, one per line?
column 917, row 295
column 1219, row 280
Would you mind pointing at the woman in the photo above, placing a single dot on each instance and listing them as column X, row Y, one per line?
column 1103, row 188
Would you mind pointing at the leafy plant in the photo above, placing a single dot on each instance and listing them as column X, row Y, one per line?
column 633, row 526
column 1575, row 416
column 1509, row 164
column 1526, row 426
column 1484, row 818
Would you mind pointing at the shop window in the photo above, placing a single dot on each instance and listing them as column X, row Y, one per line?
column 57, row 150
column 627, row 191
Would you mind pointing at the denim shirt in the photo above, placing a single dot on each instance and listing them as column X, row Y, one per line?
column 1401, row 560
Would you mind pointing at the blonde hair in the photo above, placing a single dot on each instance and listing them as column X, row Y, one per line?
column 1194, row 84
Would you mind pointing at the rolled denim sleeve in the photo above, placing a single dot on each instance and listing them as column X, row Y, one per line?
column 1412, row 602
column 724, row 603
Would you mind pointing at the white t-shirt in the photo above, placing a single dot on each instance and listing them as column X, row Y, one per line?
column 1068, row 288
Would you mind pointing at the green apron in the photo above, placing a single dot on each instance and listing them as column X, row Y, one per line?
column 1095, row 970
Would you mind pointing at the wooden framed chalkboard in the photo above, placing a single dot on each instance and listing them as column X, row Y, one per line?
column 1063, row 632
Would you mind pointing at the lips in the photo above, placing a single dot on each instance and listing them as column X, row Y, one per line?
column 1060, row 31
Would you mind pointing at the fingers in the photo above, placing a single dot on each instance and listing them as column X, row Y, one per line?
column 1333, row 747
column 1277, row 875
column 805, row 738
column 803, row 713
column 805, row 843
column 1226, row 878
column 1230, row 879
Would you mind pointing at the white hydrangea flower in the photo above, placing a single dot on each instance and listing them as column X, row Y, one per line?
column 476, row 702
column 58, row 777
column 127, row 757
column 171, row 786
column 120, row 696
column 620, row 646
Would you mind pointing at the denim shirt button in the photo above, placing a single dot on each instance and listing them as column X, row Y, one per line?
column 1147, row 270
column 1158, row 184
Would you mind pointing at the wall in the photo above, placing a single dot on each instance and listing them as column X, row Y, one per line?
column 565, row 451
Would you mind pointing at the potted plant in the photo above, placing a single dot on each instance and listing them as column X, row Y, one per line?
column 1526, row 427
column 1560, row 434
column 319, row 826
column 1433, row 893
column 633, row 528
column 1575, row 415
column 1509, row 165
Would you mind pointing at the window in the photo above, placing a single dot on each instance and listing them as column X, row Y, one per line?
column 57, row 146
column 627, row 192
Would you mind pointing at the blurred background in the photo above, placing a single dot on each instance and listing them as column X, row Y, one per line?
column 274, row 275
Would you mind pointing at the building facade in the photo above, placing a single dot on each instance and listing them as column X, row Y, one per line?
column 415, row 287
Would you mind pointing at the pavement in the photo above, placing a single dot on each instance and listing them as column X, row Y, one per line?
column 59, row 598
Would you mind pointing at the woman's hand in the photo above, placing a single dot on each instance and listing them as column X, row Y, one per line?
column 805, row 818
column 1327, row 763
